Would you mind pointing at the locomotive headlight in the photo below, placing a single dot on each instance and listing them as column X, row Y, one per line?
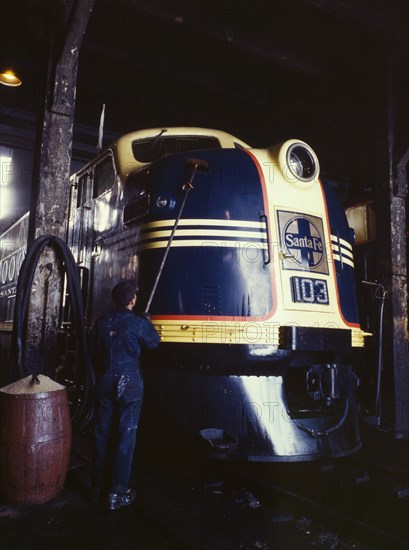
column 302, row 162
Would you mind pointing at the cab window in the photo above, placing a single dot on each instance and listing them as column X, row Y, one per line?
column 82, row 191
column 136, row 196
column 104, row 177
column 155, row 148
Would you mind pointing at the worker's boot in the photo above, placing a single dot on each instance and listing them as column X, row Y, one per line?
column 119, row 500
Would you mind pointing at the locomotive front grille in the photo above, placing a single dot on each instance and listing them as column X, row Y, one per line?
column 315, row 339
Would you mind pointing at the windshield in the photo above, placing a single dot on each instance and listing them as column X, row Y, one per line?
column 158, row 147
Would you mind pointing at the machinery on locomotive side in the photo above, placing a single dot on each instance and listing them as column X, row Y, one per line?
column 255, row 304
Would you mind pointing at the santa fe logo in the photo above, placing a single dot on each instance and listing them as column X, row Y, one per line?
column 302, row 243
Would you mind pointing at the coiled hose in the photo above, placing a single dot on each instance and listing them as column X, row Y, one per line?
column 82, row 416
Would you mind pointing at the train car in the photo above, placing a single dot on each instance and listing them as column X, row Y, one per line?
column 13, row 246
column 255, row 303
column 250, row 258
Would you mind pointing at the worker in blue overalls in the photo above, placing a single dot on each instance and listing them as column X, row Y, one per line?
column 115, row 343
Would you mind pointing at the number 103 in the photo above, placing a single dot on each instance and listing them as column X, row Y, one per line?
column 310, row 291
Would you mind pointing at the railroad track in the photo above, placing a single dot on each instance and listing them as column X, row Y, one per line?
column 213, row 506
column 363, row 501
column 209, row 505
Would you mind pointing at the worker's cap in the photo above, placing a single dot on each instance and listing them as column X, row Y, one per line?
column 123, row 292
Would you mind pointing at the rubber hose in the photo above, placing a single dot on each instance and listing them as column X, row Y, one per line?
column 83, row 414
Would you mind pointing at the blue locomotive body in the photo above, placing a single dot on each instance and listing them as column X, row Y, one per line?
column 229, row 369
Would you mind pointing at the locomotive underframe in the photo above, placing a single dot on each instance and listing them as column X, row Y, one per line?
column 287, row 407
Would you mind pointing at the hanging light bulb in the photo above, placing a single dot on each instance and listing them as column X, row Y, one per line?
column 8, row 78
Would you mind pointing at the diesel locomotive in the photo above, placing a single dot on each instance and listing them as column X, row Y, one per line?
column 244, row 259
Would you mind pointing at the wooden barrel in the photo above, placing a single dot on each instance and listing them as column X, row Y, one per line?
column 35, row 446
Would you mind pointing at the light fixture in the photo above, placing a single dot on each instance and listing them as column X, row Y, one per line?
column 8, row 78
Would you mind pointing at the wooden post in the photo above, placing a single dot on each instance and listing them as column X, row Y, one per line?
column 49, row 215
column 392, row 262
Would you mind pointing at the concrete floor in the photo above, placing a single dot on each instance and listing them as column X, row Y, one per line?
column 178, row 506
